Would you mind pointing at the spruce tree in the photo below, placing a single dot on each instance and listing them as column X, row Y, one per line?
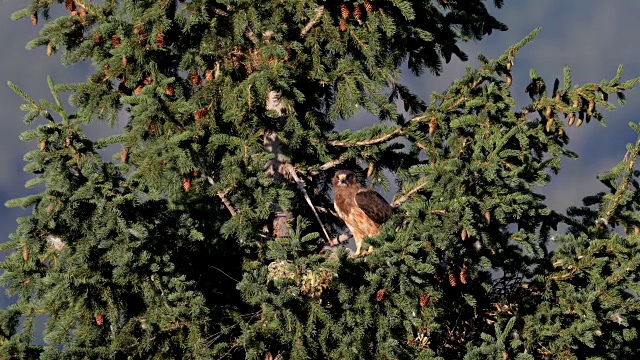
column 211, row 232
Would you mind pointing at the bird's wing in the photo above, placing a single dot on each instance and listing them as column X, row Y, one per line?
column 373, row 205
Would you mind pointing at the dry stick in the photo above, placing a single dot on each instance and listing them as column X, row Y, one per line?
column 220, row 12
column 226, row 203
column 406, row 196
column 377, row 140
column 223, row 196
column 292, row 172
column 325, row 166
column 318, row 14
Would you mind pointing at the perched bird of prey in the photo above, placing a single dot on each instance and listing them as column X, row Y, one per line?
column 363, row 210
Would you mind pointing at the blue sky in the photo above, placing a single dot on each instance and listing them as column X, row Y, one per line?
column 592, row 37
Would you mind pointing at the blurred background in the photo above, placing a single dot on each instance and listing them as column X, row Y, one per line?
column 592, row 37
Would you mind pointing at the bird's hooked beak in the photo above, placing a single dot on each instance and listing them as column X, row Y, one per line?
column 342, row 179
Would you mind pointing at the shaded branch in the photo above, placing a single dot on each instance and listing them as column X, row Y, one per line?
column 288, row 169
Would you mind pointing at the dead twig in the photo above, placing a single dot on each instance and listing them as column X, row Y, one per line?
column 317, row 15
column 408, row 194
column 325, row 166
column 226, row 203
column 289, row 169
column 373, row 141
column 223, row 196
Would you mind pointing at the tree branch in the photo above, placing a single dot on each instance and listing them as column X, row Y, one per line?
column 223, row 196
column 318, row 14
column 226, row 203
column 325, row 166
column 374, row 141
column 408, row 194
column 288, row 168
column 624, row 186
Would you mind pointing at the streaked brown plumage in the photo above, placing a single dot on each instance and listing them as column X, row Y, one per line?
column 363, row 210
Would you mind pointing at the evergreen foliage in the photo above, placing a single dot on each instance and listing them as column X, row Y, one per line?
column 175, row 248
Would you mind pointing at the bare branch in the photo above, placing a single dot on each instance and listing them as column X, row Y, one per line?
column 288, row 168
column 220, row 12
column 226, row 203
column 326, row 166
column 331, row 164
column 223, row 196
column 374, row 141
column 408, row 194
column 318, row 14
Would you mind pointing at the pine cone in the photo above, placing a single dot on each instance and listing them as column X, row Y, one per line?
column 432, row 125
column 195, row 78
column 124, row 61
column 200, row 113
column 343, row 25
column 463, row 274
column 124, row 155
column 99, row 319
column 143, row 38
column 208, row 75
column 34, row 19
column 169, row 90
column 592, row 106
column 115, row 41
column 357, row 13
column 138, row 89
column 49, row 49
column 25, row 251
column 95, row 38
column 424, row 299
column 147, row 80
column 344, row 10
column 186, row 184
column 368, row 6
column 452, row 280
column 160, row 40
column 380, row 294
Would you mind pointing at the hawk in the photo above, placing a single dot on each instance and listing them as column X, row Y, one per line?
column 363, row 210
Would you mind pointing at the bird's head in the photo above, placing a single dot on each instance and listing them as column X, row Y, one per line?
column 344, row 178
